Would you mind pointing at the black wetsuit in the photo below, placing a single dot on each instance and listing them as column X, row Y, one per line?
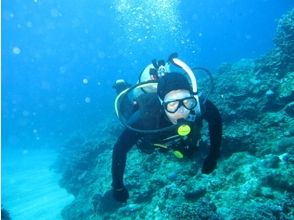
column 129, row 138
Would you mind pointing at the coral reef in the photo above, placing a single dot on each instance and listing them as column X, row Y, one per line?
column 279, row 60
column 254, row 178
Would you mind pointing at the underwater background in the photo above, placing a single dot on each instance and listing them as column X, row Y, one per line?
column 59, row 62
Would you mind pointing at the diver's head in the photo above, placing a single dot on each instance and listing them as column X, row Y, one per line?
column 176, row 96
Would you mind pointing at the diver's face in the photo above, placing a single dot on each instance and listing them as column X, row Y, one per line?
column 175, row 109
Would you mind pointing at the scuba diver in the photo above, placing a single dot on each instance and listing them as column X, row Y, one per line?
column 165, row 112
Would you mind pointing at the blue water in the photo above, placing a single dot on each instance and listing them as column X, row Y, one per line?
column 60, row 58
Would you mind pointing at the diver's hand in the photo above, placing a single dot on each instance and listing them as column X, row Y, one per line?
column 120, row 85
column 105, row 203
column 209, row 164
column 120, row 194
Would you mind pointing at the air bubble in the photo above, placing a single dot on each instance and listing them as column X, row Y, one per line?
column 85, row 81
column 16, row 50
column 29, row 24
column 87, row 99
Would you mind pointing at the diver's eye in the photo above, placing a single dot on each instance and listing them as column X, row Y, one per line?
column 172, row 106
column 189, row 103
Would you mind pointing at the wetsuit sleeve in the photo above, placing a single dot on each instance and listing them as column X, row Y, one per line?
column 124, row 143
column 213, row 117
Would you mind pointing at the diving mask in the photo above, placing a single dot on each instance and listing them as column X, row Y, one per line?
column 173, row 105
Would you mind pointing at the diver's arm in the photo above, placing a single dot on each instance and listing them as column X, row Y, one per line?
column 124, row 143
column 213, row 117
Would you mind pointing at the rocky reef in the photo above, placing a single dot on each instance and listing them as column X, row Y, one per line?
column 255, row 175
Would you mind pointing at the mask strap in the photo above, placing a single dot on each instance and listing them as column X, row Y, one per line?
column 173, row 58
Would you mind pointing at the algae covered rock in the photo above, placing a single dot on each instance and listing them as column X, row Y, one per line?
column 198, row 211
column 285, row 37
column 280, row 60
